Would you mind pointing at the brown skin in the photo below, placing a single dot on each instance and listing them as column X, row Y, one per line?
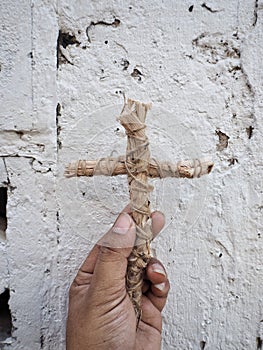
column 101, row 315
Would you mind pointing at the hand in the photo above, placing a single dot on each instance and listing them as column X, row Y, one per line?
column 101, row 315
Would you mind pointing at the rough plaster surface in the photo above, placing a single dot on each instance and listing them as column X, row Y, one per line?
column 200, row 64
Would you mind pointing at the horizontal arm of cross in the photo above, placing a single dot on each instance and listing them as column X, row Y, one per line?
column 118, row 166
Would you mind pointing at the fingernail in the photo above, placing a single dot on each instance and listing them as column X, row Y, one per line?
column 158, row 269
column 122, row 224
column 160, row 286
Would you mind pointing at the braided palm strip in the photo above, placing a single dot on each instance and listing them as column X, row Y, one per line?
column 137, row 163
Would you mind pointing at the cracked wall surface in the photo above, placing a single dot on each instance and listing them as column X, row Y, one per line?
column 64, row 67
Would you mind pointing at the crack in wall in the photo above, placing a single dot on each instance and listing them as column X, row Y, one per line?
column 20, row 132
column 58, row 126
column 58, row 223
column 39, row 167
column 8, row 182
column 114, row 24
column 26, row 142
column 255, row 13
column 208, row 8
column 252, row 94
column 32, row 55
column 36, row 165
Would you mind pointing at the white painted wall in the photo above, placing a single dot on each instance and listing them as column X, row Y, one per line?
column 202, row 70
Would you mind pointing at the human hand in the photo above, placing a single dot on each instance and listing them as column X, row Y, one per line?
column 100, row 314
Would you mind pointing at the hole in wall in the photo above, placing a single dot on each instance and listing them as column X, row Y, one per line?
column 259, row 343
column 223, row 140
column 249, row 131
column 125, row 64
column 5, row 316
column 202, row 345
column 3, row 218
column 232, row 161
column 209, row 169
column 64, row 40
column 137, row 74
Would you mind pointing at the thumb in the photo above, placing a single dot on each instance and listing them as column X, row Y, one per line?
column 115, row 247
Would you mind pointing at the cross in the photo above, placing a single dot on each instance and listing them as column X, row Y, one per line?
column 139, row 166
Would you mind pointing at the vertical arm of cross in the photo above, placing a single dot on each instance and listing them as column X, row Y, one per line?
column 137, row 161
